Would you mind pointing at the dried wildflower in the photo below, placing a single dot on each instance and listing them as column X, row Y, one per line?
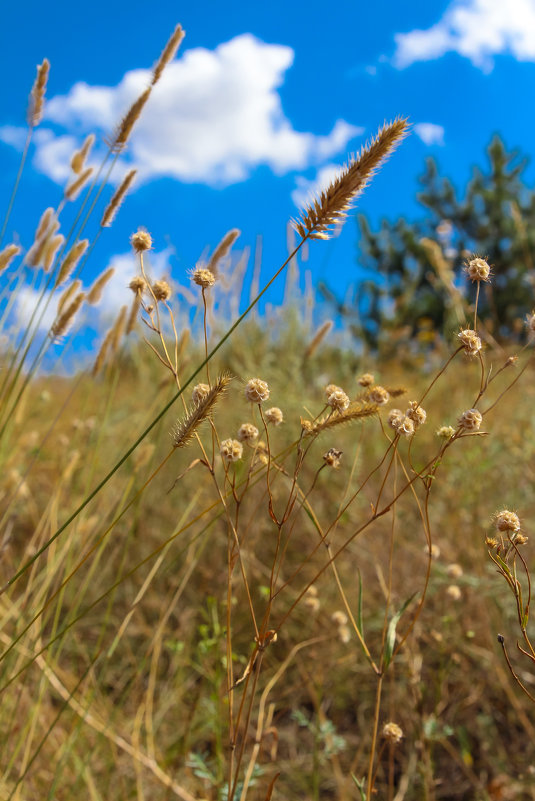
column 138, row 285
column 445, row 432
column 339, row 618
column 331, row 206
column 7, row 255
column 416, row 414
column 491, row 542
column 435, row 550
column 338, row 400
column 247, row 433
column 470, row 341
column 394, row 417
column 231, row 450
column 184, row 430
column 330, row 388
column 403, row 426
column 366, row 380
column 471, row 420
column 507, row 521
column 520, row 539
column 379, row 395
column 203, row 277
column 256, row 390
column 345, row 634
column 117, row 198
column 332, row 458
column 454, row 592
column 307, row 425
column 454, row 570
column 311, row 599
column 262, row 452
column 478, row 270
column 161, row 290
column 274, row 416
column 37, row 96
column 95, row 293
column 141, row 240
column 200, row 392
column 393, row 733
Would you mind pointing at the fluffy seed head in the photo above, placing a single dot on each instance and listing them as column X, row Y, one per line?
column 200, row 393
column 394, row 418
column 470, row 341
column 507, row 521
column 274, row 416
column 445, row 432
column 332, row 458
column 231, row 450
column 115, row 203
column 393, row 733
column 471, row 420
column 367, row 380
column 338, row 400
column 416, row 414
column 203, row 277
column 379, row 395
column 256, row 390
column 454, row 570
column 454, row 592
column 141, row 241
column 339, row 618
column 138, row 285
column 330, row 388
column 402, row 425
column 73, row 189
column 247, row 432
column 477, row 270
column 37, row 96
column 161, row 290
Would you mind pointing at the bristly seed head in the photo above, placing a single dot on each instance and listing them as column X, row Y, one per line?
column 141, row 241
column 378, row 395
column 332, row 458
column 416, row 414
column 274, row 416
column 247, row 433
column 393, row 733
column 203, row 277
column 256, row 390
column 471, row 420
column 231, row 450
column 454, row 592
column 507, row 521
column 161, row 290
column 138, row 285
column 470, row 341
column 478, row 270
column 401, row 424
column 338, row 400
column 367, row 380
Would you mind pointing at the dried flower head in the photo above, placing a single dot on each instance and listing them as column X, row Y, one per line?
column 402, row 425
column 520, row 539
column 454, row 592
column 470, row 341
column 344, row 633
column 203, row 277
column 231, row 450
column 367, row 380
column 247, row 433
column 416, row 414
column 471, row 420
column 393, row 733
column 161, row 290
column 454, row 570
column 330, row 388
column 507, row 521
column 311, row 599
column 200, row 392
column 141, row 241
column 274, row 416
column 477, row 270
column 256, row 390
column 378, row 395
column 338, row 400
column 445, row 432
column 339, row 618
column 491, row 542
column 332, row 458
column 394, row 416
column 138, row 285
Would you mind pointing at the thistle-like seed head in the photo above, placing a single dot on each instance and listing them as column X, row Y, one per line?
column 203, row 277
column 339, row 618
column 200, row 392
column 338, row 400
column 454, row 592
column 247, row 433
column 332, row 458
column 141, row 241
column 470, row 341
column 161, row 290
column 274, row 416
column 138, row 285
column 231, row 450
column 477, row 270
column 507, row 521
column 471, row 420
column 256, row 390
column 454, row 570
column 379, row 395
column 416, row 414
column 445, row 432
column 366, row 380
column 393, row 733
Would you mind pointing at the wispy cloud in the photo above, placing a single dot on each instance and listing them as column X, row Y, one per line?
column 214, row 117
column 429, row 133
column 477, row 30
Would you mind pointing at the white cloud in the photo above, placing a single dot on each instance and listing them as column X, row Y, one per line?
column 213, row 117
column 306, row 188
column 13, row 135
column 430, row 133
column 477, row 30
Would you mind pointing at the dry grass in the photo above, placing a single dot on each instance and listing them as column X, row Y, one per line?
column 312, row 615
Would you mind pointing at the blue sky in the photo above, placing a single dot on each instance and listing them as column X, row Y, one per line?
column 263, row 100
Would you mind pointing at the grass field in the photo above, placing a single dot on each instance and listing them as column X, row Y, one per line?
column 230, row 569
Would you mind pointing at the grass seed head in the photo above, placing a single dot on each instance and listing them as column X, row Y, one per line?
column 37, row 96
column 256, row 390
column 530, row 322
column 7, row 255
column 117, row 198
